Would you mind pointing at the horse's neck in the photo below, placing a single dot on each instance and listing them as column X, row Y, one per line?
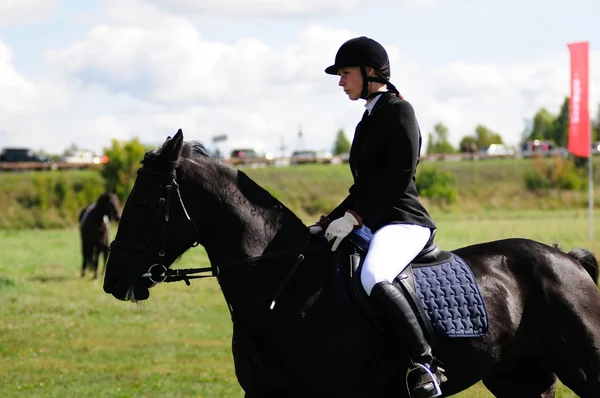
column 250, row 223
column 255, row 233
column 90, row 213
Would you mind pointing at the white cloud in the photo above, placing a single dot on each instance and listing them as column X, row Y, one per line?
column 21, row 11
column 144, row 72
column 277, row 8
column 17, row 91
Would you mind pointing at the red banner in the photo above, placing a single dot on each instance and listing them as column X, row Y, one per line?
column 579, row 120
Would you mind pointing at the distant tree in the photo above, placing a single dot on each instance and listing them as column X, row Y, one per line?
column 542, row 125
column 526, row 133
column 596, row 125
column 123, row 161
column 71, row 149
column 468, row 144
column 341, row 145
column 438, row 142
column 484, row 137
column 548, row 127
column 560, row 125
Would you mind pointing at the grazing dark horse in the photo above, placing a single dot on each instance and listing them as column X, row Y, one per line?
column 543, row 305
column 94, row 228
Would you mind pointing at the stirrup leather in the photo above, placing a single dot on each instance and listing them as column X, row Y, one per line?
column 436, row 384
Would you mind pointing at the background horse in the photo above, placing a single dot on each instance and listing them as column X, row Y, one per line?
column 543, row 306
column 94, row 229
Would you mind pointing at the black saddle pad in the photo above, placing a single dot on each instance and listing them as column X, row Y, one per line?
column 447, row 291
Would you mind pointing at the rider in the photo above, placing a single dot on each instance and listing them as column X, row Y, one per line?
column 383, row 160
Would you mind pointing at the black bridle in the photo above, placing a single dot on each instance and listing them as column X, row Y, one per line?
column 160, row 273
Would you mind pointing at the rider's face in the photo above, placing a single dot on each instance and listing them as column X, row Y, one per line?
column 352, row 82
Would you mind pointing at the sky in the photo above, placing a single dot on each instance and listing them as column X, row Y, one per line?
column 85, row 72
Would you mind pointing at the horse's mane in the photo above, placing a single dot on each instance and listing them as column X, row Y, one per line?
column 194, row 150
column 223, row 179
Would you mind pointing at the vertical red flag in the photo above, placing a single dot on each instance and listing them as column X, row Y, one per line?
column 579, row 120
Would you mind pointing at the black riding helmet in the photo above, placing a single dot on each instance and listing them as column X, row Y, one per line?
column 362, row 52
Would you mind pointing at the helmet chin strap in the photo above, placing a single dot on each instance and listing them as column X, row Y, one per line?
column 365, row 89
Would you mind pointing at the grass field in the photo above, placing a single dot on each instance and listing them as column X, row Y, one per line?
column 62, row 336
column 53, row 199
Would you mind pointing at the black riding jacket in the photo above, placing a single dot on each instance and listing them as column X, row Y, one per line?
column 383, row 160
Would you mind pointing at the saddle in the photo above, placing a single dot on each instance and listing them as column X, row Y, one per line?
column 438, row 283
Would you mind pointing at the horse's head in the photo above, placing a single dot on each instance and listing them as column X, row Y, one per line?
column 108, row 203
column 183, row 197
column 155, row 228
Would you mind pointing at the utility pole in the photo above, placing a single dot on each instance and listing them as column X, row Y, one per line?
column 216, row 139
column 300, row 135
column 282, row 147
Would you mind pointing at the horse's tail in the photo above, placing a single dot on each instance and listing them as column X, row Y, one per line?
column 587, row 259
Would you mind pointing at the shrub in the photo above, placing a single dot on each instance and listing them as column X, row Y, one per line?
column 46, row 199
column 437, row 185
column 556, row 173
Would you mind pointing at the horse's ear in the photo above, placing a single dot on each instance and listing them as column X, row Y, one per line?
column 172, row 149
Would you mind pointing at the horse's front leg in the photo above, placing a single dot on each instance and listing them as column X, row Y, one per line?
column 95, row 255
column 86, row 252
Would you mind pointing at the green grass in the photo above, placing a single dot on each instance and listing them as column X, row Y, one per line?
column 62, row 336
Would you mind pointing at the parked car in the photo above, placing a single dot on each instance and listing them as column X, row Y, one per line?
column 499, row 151
column 16, row 155
column 543, row 148
column 310, row 156
column 248, row 156
column 84, row 156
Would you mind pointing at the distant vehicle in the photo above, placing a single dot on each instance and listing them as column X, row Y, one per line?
column 84, row 157
column 344, row 157
column 310, row 156
column 16, row 155
column 499, row 151
column 543, row 148
column 248, row 156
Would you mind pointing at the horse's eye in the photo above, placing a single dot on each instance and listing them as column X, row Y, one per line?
column 141, row 202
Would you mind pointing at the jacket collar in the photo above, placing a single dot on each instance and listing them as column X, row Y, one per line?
column 378, row 102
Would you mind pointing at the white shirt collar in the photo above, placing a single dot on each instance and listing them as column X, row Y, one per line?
column 370, row 105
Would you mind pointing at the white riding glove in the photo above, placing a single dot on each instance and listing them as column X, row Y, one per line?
column 340, row 228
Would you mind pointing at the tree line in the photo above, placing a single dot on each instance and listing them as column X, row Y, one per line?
column 543, row 126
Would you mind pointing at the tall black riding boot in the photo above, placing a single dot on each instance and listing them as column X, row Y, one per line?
column 396, row 311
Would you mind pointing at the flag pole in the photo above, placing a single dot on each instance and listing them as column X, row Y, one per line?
column 591, row 188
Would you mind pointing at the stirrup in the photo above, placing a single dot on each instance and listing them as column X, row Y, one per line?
column 436, row 384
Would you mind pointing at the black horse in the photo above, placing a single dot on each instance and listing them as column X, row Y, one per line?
column 94, row 229
column 543, row 307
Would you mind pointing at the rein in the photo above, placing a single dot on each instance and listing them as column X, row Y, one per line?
column 160, row 273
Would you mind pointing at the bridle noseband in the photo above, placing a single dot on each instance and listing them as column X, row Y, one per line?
column 159, row 272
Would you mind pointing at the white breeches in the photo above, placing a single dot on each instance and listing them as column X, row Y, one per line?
column 392, row 248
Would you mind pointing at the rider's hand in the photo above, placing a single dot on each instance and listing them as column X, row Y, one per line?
column 341, row 227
